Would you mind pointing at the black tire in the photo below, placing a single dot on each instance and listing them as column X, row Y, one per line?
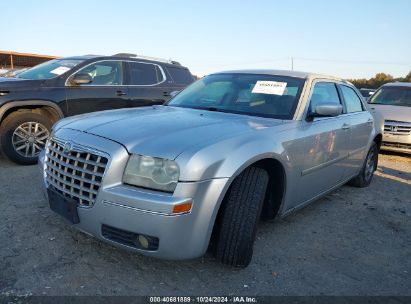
column 271, row 204
column 364, row 178
column 7, row 132
column 239, row 217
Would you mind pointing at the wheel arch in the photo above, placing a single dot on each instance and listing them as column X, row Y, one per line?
column 49, row 108
column 378, row 140
column 276, row 169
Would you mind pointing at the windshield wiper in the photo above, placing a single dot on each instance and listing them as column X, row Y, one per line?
column 212, row 109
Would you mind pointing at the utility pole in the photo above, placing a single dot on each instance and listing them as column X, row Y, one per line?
column 292, row 63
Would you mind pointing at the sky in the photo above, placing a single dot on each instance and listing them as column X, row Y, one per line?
column 349, row 39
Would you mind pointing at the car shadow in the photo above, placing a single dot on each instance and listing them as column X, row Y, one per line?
column 394, row 153
column 394, row 173
column 4, row 161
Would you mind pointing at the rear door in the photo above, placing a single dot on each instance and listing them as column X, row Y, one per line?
column 360, row 124
column 147, row 84
column 106, row 90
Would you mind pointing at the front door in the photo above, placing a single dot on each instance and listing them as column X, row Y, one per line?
column 106, row 90
column 323, row 147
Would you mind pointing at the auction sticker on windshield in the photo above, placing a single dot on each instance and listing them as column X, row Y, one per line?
column 60, row 70
column 269, row 87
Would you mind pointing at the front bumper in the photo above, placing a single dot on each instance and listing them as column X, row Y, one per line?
column 397, row 143
column 146, row 212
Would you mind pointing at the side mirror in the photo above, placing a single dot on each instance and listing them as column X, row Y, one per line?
column 81, row 78
column 326, row 109
column 174, row 93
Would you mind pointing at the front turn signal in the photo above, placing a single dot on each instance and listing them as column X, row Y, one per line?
column 182, row 208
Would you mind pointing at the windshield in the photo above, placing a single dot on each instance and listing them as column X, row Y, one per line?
column 249, row 94
column 393, row 96
column 50, row 69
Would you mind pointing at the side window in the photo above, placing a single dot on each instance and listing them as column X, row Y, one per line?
column 324, row 92
column 352, row 101
column 180, row 75
column 144, row 74
column 104, row 73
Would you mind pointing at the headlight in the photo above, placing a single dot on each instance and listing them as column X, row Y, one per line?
column 152, row 173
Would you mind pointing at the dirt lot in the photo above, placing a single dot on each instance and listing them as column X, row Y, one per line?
column 352, row 242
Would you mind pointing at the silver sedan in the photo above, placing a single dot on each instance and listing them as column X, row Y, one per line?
column 200, row 171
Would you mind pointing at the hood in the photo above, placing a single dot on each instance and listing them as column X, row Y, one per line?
column 398, row 113
column 164, row 131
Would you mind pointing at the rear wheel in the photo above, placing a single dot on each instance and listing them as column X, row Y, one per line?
column 364, row 178
column 24, row 135
column 239, row 217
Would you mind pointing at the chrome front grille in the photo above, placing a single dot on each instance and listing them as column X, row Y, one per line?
column 74, row 171
column 397, row 127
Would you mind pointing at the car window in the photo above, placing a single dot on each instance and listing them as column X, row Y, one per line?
column 50, row 69
column 215, row 92
column 104, row 73
column 180, row 75
column 249, row 94
column 351, row 99
column 324, row 92
column 366, row 93
column 393, row 96
column 144, row 74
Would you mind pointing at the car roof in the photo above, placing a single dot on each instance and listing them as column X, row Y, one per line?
column 82, row 57
column 296, row 74
column 397, row 84
column 126, row 57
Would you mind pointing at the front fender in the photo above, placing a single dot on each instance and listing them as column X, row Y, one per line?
column 228, row 158
column 224, row 161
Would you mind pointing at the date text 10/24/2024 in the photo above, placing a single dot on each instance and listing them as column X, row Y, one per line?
column 233, row 299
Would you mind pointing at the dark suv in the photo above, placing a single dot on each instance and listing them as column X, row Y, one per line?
column 38, row 97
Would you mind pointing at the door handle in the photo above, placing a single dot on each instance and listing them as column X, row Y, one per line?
column 166, row 94
column 346, row 126
column 370, row 121
column 120, row 93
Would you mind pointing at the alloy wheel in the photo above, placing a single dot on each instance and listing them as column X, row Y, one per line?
column 30, row 138
column 370, row 164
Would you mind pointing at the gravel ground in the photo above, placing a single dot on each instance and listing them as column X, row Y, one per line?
column 352, row 242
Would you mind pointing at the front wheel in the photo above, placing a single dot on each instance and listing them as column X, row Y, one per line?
column 364, row 178
column 24, row 135
column 239, row 217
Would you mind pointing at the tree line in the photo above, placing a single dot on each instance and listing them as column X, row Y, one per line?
column 378, row 80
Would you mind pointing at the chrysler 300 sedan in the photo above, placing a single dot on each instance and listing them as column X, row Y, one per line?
column 199, row 172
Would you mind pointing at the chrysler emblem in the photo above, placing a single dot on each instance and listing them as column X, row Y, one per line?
column 67, row 146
